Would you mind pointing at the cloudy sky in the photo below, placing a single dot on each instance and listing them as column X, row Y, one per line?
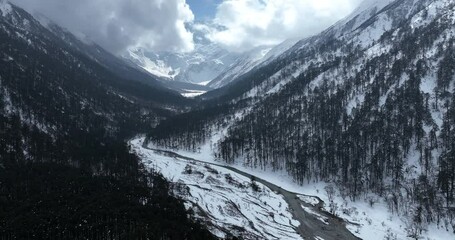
column 159, row 25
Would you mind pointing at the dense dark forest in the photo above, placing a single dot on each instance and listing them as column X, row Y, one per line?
column 65, row 169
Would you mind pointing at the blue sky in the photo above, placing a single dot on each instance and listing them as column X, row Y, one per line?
column 203, row 9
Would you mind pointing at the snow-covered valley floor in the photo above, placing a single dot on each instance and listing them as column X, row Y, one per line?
column 228, row 203
column 227, row 199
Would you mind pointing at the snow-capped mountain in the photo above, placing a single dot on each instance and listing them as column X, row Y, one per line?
column 209, row 64
column 199, row 66
column 367, row 104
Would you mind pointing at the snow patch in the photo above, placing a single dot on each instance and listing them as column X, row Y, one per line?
column 204, row 83
column 373, row 33
column 157, row 68
column 192, row 93
column 355, row 102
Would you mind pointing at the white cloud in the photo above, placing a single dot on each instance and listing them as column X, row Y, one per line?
column 119, row 24
column 251, row 23
column 160, row 24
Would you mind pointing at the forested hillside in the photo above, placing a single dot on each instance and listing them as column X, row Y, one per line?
column 368, row 104
column 65, row 169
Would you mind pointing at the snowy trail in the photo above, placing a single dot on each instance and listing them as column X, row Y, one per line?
column 311, row 227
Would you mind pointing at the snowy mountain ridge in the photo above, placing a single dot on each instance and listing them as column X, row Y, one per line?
column 249, row 60
column 363, row 28
column 209, row 64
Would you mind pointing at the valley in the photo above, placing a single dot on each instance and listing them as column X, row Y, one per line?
column 167, row 127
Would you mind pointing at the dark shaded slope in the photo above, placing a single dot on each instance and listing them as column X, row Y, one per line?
column 65, row 170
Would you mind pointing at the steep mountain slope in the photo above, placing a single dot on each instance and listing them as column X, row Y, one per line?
column 249, row 60
column 367, row 104
column 65, row 170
